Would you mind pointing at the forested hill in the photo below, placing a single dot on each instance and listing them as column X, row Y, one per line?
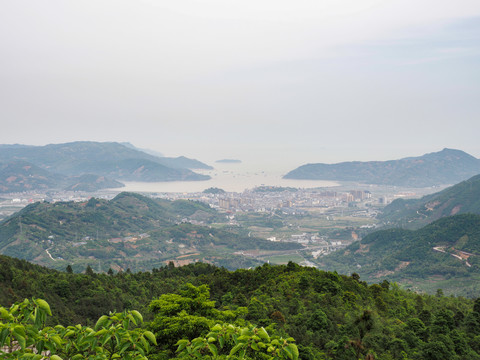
column 329, row 316
column 444, row 254
column 414, row 213
column 444, row 167
column 129, row 231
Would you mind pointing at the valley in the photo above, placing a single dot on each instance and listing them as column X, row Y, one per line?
column 347, row 227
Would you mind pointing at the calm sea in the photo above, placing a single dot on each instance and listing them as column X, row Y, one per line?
column 229, row 177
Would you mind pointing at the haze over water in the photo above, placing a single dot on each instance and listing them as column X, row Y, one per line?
column 232, row 178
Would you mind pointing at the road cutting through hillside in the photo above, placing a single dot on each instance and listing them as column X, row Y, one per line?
column 441, row 249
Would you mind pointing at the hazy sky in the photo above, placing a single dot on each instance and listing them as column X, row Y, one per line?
column 303, row 80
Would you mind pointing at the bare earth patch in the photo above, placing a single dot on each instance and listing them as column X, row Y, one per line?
column 455, row 210
column 402, row 265
column 364, row 248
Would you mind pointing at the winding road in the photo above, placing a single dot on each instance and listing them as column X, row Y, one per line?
column 442, row 250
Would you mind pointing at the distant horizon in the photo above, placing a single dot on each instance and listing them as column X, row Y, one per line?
column 272, row 82
column 279, row 160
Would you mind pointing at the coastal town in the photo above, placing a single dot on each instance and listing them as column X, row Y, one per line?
column 322, row 220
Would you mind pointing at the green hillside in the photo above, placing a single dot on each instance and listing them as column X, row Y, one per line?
column 444, row 254
column 444, row 167
column 327, row 316
column 129, row 231
column 414, row 213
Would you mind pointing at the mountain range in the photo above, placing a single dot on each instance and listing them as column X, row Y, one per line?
column 24, row 167
column 439, row 168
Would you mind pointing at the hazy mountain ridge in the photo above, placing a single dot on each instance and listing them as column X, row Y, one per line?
column 413, row 213
column 91, row 183
column 102, row 159
column 21, row 176
column 178, row 162
column 444, row 167
column 184, row 162
column 446, row 250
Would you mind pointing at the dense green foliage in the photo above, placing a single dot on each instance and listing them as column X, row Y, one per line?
column 414, row 213
column 448, row 249
column 444, row 167
column 330, row 316
column 24, row 335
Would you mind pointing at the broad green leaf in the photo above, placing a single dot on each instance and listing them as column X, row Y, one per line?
column 151, row 337
column 132, row 318
column 21, row 341
column 101, row 321
column 182, row 345
column 42, row 304
column 144, row 344
column 101, row 332
column 294, row 350
column 263, row 334
column 19, row 334
column 182, row 341
column 55, row 357
column 235, row 349
column 288, row 352
column 213, row 349
column 245, row 331
column 3, row 336
column 57, row 340
column 20, row 330
column 137, row 315
column 69, row 333
column 4, row 314
column 217, row 327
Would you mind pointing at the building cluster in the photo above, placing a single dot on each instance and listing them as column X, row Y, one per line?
column 288, row 201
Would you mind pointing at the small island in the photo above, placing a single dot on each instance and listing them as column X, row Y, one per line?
column 214, row 190
column 229, row 161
